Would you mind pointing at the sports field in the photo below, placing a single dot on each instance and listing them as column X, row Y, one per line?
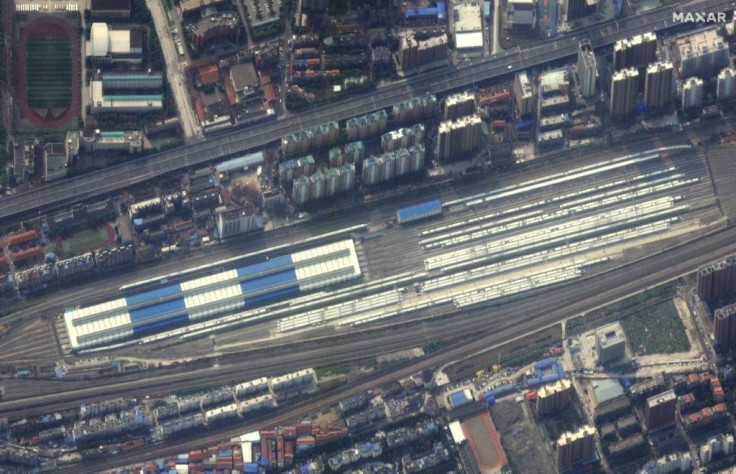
column 49, row 72
column 485, row 442
column 86, row 240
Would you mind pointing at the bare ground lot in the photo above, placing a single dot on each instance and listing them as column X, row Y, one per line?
column 521, row 439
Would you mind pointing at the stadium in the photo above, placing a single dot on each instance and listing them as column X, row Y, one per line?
column 48, row 72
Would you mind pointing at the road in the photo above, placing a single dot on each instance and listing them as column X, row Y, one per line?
column 174, row 72
column 65, row 192
column 483, row 329
column 496, row 28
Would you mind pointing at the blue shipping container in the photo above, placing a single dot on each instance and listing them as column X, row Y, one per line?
column 491, row 400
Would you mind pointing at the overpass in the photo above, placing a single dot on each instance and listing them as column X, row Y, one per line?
column 69, row 191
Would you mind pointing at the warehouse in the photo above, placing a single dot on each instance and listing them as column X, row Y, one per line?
column 213, row 295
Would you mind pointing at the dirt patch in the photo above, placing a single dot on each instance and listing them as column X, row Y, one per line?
column 521, row 440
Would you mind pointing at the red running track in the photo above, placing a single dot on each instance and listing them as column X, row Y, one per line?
column 52, row 28
column 495, row 437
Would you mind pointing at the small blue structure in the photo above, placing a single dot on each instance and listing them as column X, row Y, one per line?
column 490, row 399
column 499, row 391
column 458, row 398
column 524, row 124
column 540, row 379
column 437, row 12
column 419, row 211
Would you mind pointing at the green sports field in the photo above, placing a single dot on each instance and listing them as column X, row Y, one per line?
column 49, row 72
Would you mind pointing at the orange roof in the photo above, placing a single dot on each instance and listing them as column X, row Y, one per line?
column 714, row 381
column 693, row 378
column 705, row 412
column 269, row 93
column 200, row 109
column 704, row 377
column 265, row 79
column 232, row 99
column 209, row 74
column 693, row 418
column 720, row 407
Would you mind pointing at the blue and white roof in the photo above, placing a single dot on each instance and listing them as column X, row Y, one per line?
column 232, row 290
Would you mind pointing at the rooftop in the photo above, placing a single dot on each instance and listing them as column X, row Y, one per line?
column 661, row 398
column 468, row 18
column 699, row 43
column 610, row 334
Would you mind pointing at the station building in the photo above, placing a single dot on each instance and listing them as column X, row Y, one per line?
column 222, row 293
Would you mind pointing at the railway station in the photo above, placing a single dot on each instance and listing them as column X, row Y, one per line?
column 221, row 293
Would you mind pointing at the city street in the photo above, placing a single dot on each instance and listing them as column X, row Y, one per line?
column 174, row 72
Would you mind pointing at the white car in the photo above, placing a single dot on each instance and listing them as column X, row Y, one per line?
column 509, row 66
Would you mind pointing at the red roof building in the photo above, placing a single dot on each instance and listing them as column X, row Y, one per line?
column 22, row 238
column 27, row 254
column 209, row 74
column 232, row 98
column 269, row 93
column 199, row 108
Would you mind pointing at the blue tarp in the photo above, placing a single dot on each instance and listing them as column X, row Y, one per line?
column 250, row 467
column 419, row 211
column 153, row 294
column 263, row 266
column 157, row 309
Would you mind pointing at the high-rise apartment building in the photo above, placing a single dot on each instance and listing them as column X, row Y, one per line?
column 660, row 410
column 624, row 91
column 587, row 68
column 658, row 85
column 637, row 51
column 576, row 448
